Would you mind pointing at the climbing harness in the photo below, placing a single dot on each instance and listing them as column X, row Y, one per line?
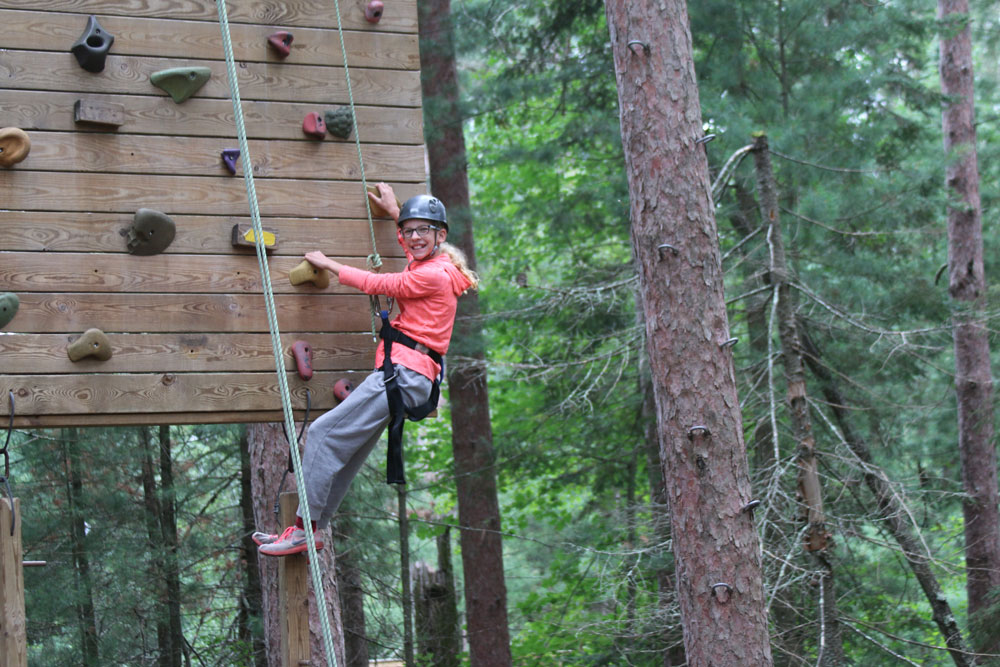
column 398, row 412
column 286, row 404
column 5, row 479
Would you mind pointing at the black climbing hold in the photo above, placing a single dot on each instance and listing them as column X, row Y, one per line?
column 151, row 232
column 282, row 42
column 229, row 158
column 8, row 308
column 91, row 49
column 181, row 82
column 339, row 122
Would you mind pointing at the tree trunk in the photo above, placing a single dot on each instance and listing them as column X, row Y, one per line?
column 810, row 493
column 472, row 434
column 85, row 614
column 438, row 641
column 967, row 285
column 672, row 641
column 268, row 463
column 151, row 505
column 674, row 238
column 352, row 597
column 171, row 568
column 891, row 510
column 250, row 616
column 404, row 575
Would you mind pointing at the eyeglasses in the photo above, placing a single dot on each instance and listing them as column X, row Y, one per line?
column 423, row 230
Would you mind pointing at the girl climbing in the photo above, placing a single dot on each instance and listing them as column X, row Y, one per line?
column 409, row 362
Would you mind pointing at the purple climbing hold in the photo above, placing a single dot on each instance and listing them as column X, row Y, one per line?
column 229, row 158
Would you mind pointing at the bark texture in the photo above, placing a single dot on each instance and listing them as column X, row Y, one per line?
column 472, row 434
column 268, row 463
column 352, row 596
column 250, row 616
column 810, row 493
column 436, row 610
column 967, row 286
column 716, row 548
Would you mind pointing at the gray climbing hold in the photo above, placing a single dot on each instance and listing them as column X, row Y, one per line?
column 151, row 232
column 8, row 308
column 181, row 82
column 91, row 49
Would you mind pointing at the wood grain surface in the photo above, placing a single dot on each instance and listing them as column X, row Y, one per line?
column 188, row 328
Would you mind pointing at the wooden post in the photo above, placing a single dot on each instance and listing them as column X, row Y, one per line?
column 13, row 636
column 293, row 594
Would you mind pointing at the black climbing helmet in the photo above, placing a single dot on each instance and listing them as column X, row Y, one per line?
column 424, row 207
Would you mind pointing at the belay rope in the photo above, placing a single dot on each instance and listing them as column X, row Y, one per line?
column 286, row 403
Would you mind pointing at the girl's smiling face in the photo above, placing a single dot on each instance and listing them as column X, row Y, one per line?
column 422, row 237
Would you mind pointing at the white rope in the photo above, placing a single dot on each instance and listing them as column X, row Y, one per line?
column 286, row 403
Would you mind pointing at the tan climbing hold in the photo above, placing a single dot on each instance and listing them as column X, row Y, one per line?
column 93, row 343
column 377, row 210
column 14, row 146
column 307, row 273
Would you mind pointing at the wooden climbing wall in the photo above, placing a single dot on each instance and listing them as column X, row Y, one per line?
column 188, row 327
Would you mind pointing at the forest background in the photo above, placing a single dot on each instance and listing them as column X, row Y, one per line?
column 848, row 94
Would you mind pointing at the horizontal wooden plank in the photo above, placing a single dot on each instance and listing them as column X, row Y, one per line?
column 41, row 110
column 187, row 313
column 30, row 354
column 52, row 31
column 163, row 392
column 157, row 418
column 23, row 272
column 201, row 156
column 400, row 15
column 104, row 232
column 275, row 82
column 121, row 193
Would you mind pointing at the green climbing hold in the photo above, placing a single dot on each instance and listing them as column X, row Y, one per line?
column 93, row 343
column 8, row 307
column 181, row 82
column 339, row 122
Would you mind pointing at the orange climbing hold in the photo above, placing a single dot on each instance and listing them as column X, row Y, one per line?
column 14, row 146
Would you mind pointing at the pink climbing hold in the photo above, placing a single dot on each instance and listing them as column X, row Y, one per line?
column 282, row 42
column 314, row 125
column 342, row 389
column 373, row 12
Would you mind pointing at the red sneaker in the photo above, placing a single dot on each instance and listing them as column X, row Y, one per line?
column 292, row 541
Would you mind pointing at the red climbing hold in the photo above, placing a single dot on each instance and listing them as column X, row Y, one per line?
column 314, row 126
column 282, row 42
column 342, row 389
column 303, row 359
column 373, row 12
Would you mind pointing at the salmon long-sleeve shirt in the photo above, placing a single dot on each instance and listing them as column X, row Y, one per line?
column 427, row 295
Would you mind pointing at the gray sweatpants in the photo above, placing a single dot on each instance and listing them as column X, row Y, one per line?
column 339, row 441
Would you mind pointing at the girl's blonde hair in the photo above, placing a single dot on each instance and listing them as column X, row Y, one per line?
column 457, row 258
